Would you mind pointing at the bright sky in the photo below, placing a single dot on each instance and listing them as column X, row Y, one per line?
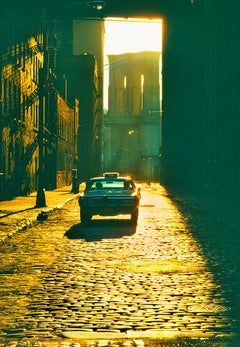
column 132, row 35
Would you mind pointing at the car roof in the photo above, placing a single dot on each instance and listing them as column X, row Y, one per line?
column 112, row 176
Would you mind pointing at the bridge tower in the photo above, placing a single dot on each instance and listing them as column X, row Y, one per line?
column 132, row 126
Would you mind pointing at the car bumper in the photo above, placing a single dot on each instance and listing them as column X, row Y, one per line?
column 106, row 206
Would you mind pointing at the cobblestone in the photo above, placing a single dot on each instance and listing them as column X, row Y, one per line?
column 109, row 284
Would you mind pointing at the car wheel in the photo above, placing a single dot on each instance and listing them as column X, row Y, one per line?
column 85, row 216
column 134, row 216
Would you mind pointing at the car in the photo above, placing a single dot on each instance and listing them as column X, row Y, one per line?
column 109, row 195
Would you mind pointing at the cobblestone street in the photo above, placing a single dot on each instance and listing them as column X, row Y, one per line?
column 110, row 283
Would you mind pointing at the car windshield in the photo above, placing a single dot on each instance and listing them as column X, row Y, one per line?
column 111, row 184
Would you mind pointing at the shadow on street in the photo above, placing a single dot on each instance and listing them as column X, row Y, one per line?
column 97, row 230
column 16, row 212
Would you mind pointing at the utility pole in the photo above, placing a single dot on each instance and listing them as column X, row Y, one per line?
column 41, row 200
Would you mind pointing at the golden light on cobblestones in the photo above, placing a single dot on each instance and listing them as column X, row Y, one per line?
column 162, row 266
column 103, row 280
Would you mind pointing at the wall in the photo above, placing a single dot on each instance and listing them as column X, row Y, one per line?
column 66, row 145
column 20, row 58
column 201, row 108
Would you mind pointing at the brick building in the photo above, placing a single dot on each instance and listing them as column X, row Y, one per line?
column 21, row 57
column 67, row 141
column 28, row 46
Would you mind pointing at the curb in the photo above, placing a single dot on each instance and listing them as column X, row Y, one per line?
column 43, row 215
column 29, row 222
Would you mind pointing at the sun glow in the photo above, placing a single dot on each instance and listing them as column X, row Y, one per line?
column 130, row 35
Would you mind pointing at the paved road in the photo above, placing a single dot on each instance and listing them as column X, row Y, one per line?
column 110, row 283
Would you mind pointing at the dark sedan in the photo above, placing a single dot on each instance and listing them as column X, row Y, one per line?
column 110, row 195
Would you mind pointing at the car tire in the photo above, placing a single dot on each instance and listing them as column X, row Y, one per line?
column 134, row 216
column 85, row 217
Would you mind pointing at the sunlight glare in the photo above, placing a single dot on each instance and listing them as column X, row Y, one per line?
column 132, row 35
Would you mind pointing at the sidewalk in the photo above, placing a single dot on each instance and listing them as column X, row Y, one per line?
column 20, row 212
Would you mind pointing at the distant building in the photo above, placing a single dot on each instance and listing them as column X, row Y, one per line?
column 80, row 62
column 67, row 141
column 132, row 126
column 82, row 82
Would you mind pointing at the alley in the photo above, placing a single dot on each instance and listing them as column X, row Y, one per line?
column 62, row 283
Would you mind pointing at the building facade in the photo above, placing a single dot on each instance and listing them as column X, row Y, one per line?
column 29, row 98
column 67, row 141
column 82, row 78
column 21, row 57
column 201, row 98
column 80, row 61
